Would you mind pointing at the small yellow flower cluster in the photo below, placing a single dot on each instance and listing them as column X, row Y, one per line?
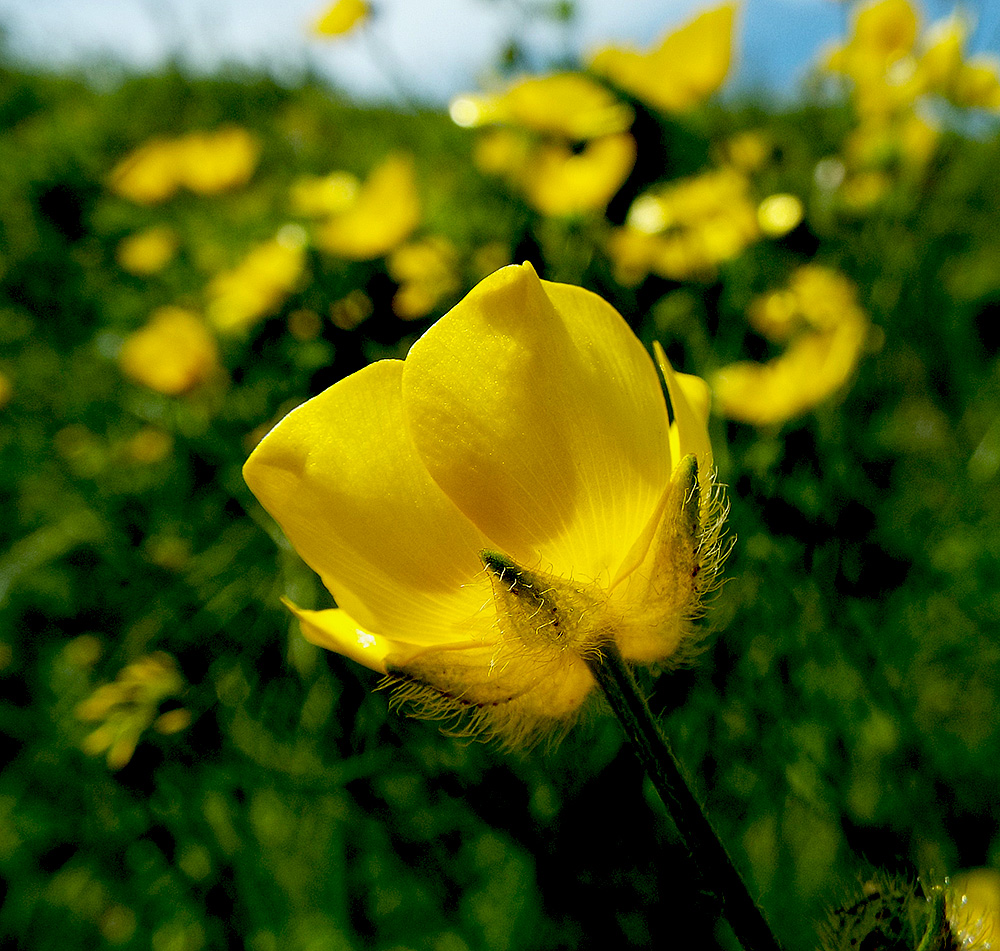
column 561, row 140
column 819, row 318
column 685, row 229
column 892, row 68
column 259, row 284
column 682, row 70
column 148, row 251
column 203, row 162
column 366, row 221
column 172, row 354
column 128, row 707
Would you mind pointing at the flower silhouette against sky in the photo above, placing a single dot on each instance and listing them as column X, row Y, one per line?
column 494, row 509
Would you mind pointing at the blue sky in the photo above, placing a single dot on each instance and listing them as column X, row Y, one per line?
column 439, row 47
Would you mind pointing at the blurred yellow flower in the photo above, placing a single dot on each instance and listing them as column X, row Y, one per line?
column 383, row 214
column 779, row 214
column 150, row 445
column 342, row 17
column 826, row 330
column 6, row 389
column 148, row 251
column 555, row 178
column 427, row 271
column 173, row 353
column 213, row 162
column 130, row 706
column 204, row 162
column 500, row 505
column 259, row 284
column 561, row 140
column 561, row 181
column 567, row 105
column 148, row 174
column 686, row 228
column 315, row 196
column 352, row 310
column 687, row 66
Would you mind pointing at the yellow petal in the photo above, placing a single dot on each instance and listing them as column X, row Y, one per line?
column 537, row 410
column 343, row 480
column 335, row 630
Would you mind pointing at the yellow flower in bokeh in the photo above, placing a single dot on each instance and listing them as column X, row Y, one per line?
column 315, row 196
column 204, row 162
column 148, row 251
column 148, row 174
column 555, row 178
column 567, row 105
column 259, row 284
column 688, row 65
column 149, row 445
column 130, row 706
column 213, row 162
column 818, row 315
column 561, row 140
column 383, row 214
column 172, row 354
column 686, row 228
column 342, row 17
column 560, row 181
column 500, row 505
column 427, row 271
column 6, row 389
column 779, row 214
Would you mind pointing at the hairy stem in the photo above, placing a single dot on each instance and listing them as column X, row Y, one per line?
column 717, row 871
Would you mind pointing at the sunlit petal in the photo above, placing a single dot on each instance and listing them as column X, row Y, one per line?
column 347, row 487
column 539, row 413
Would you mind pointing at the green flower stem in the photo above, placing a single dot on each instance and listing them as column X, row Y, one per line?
column 653, row 749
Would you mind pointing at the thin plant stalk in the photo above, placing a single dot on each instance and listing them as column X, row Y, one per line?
column 717, row 872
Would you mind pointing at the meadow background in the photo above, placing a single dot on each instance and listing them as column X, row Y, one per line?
column 183, row 771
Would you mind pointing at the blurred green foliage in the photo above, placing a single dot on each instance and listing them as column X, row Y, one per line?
column 845, row 714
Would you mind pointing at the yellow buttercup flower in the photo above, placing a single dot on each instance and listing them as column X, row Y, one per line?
column 148, row 174
column 130, row 705
column 213, row 162
column 498, row 506
column 383, row 214
column 172, row 354
column 687, row 66
column 204, row 162
column 148, row 251
column 342, row 17
column 568, row 105
column 259, row 284
column 558, row 181
column 686, row 228
column 827, row 330
column 427, row 271
column 316, row 196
